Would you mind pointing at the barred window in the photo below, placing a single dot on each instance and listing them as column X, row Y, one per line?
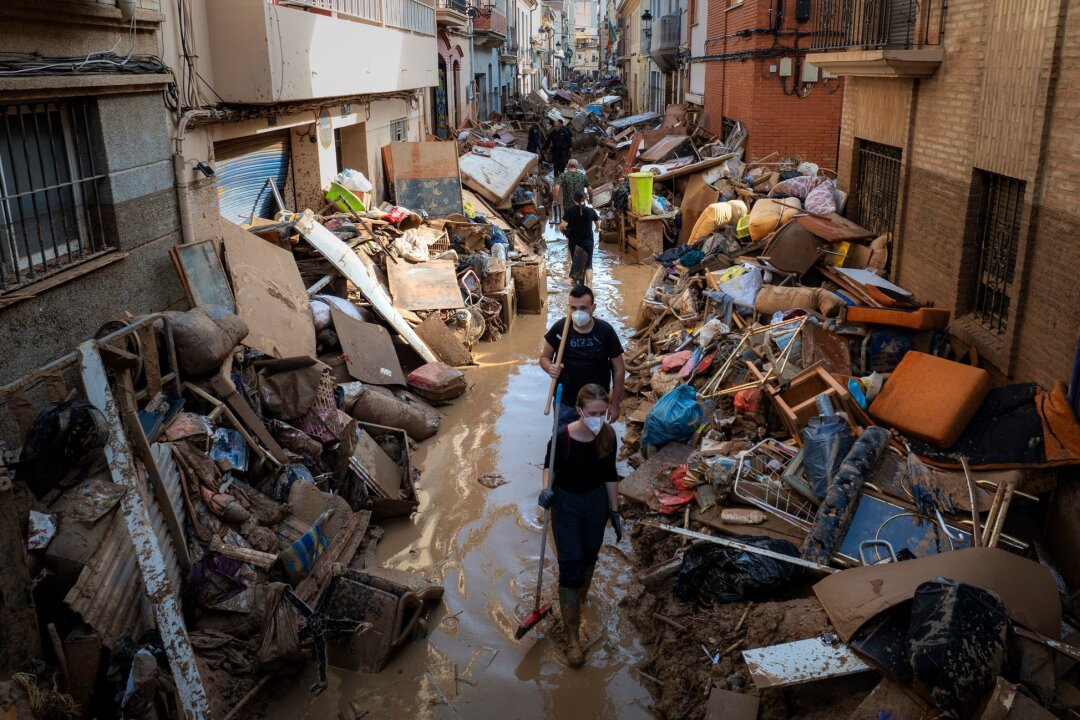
column 50, row 191
column 399, row 130
column 877, row 186
column 1000, row 201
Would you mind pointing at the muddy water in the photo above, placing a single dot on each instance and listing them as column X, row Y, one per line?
column 483, row 545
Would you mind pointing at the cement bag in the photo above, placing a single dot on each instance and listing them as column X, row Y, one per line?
column 437, row 382
column 715, row 217
column 774, row 298
column 674, row 417
column 767, row 216
column 382, row 407
column 204, row 337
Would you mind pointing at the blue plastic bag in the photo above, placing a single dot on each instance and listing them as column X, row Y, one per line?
column 674, row 417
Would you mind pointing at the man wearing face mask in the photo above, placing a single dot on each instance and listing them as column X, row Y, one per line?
column 593, row 354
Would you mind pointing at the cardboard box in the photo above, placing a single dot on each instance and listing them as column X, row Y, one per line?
column 496, row 280
column 530, row 286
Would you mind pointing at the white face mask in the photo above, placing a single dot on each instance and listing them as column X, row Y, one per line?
column 594, row 424
column 580, row 318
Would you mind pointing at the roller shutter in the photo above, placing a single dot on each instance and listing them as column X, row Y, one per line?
column 242, row 167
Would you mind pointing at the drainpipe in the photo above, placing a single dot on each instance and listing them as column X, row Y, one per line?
column 187, row 234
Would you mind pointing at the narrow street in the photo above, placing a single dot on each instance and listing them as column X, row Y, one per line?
column 483, row 545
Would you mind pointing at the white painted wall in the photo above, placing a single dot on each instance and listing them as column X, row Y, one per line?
column 698, row 35
column 263, row 53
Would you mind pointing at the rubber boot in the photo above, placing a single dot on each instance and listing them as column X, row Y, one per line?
column 587, row 574
column 570, row 605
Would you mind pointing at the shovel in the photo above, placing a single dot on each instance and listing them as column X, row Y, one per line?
column 542, row 611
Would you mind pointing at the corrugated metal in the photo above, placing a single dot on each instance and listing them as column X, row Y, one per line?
column 242, row 167
column 109, row 593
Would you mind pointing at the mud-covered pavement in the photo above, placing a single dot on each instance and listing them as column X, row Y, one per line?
column 483, row 545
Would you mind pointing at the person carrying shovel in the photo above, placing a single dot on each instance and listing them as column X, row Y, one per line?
column 581, row 491
column 589, row 351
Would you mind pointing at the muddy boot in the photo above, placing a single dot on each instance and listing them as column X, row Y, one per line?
column 570, row 605
column 587, row 574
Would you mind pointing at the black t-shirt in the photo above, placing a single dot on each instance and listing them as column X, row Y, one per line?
column 560, row 140
column 577, row 469
column 579, row 227
column 587, row 357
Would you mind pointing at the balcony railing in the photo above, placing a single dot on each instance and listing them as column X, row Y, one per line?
column 456, row 5
column 876, row 24
column 666, row 36
column 496, row 23
column 412, row 15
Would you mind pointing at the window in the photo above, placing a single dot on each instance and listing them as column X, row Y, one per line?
column 999, row 202
column 50, row 191
column 877, row 186
column 399, row 130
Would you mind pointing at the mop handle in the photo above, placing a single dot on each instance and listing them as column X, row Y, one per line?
column 551, row 481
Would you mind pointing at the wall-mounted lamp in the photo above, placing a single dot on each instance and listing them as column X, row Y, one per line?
column 646, row 23
column 475, row 11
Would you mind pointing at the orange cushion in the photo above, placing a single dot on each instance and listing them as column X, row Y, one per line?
column 921, row 319
column 931, row 398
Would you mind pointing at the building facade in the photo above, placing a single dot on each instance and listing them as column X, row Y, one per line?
column 959, row 135
column 756, row 71
column 88, row 205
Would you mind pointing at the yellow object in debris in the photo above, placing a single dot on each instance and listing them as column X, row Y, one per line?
column 715, row 217
column 641, row 184
column 717, row 278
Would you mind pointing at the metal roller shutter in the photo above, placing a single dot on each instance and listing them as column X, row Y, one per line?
column 242, row 167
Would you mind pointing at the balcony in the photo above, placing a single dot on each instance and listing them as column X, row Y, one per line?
column 266, row 53
column 452, row 13
column 878, row 38
column 491, row 31
column 508, row 54
column 664, row 45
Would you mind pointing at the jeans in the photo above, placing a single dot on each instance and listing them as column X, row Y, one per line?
column 578, row 522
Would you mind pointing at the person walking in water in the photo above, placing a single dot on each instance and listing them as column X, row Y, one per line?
column 581, row 491
column 593, row 354
column 580, row 224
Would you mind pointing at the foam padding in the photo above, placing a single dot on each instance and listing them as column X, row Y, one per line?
column 931, row 398
column 921, row 319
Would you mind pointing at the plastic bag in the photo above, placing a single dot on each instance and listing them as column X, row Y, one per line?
column 675, row 416
column 713, row 573
column 957, row 637
column 744, row 287
column 826, row 441
column 353, row 180
column 412, row 247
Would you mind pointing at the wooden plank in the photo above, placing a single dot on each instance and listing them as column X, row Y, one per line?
column 496, row 177
column 431, row 285
column 369, row 351
column 270, row 295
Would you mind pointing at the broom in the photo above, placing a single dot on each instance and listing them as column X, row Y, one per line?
column 542, row 611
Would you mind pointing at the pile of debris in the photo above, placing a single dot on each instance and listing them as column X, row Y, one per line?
column 827, row 484
column 195, row 490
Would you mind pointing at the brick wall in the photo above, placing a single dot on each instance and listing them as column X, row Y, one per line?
column 743, row 89
column 934, row 255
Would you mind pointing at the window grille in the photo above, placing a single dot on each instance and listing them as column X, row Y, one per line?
column 997, row 238
column 877, row 186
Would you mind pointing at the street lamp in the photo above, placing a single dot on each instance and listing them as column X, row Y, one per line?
column 646, row 23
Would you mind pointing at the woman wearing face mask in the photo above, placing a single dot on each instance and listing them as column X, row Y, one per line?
column 582, row 495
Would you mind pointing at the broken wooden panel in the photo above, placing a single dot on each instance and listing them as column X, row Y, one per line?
column 496, row 177
column 445, row 344
column 425, row 176
column 728, row 705
column 431, row 285
column 368, row 350
column 270, row 295
column 345, row 259
column 802, row 661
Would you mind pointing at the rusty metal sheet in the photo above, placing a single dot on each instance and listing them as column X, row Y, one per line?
column 158, row 586
column 834, row 228
column 431, row 285
column 800, row 662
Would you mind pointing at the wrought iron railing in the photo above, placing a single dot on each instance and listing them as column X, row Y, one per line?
column 458, row 5
column 876, row 24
